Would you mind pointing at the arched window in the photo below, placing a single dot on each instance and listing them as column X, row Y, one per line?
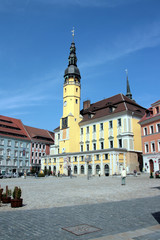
column 106, row 170
column 82, row 169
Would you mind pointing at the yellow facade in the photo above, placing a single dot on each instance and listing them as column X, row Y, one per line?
column 106, row 143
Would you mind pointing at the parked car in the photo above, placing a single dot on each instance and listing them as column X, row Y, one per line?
column 8, row 175
column 157, row 174
column 1, row 175
column 20, row 174
column 30, row 174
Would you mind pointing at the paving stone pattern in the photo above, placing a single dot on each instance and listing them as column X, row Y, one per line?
column 104, row 204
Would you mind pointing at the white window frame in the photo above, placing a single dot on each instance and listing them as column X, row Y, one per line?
column 157, row 127
column 150, row 128
column 152, row 146
column 145, row 147
column 2, row 142
column 145, row 131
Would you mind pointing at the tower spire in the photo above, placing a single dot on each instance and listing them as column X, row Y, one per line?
column 128, row 94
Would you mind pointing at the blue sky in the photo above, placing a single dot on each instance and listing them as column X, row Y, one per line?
column 110, row 36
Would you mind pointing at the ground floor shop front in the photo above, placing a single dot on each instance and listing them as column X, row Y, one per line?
column 93, row 163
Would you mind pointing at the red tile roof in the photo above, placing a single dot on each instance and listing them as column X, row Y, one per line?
column 104, row 107
column 12, row 127
column 40, row 135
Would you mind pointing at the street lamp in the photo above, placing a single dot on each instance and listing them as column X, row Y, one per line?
column 88, row 160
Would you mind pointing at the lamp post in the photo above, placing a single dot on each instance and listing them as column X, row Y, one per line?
column 88, row 160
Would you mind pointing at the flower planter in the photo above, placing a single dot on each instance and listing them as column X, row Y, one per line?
column 16, row 203
column 6, row 199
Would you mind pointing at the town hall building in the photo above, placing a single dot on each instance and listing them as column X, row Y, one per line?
column 104, row 136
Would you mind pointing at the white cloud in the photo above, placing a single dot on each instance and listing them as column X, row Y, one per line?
column 135, row 40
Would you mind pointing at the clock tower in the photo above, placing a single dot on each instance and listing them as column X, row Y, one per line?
column 69, row 123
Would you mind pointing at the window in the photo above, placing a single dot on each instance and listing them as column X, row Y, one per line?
column 152, row 147
column 75, row 159
column 27, row 145
column 110, row 124
column 145, row 131
column 1, row 141
column 158, row 127
column 94, row 128
column 40, row 145
column 32, row 154
column 87, row 147
column 1, row 152
column 120, row 143
column 54, row 160
column 76, row 101
column 111, row 144
column 8, row 152
column 101, row 126
column 94, row 146
column 16, row 144
column 36, row 154
column 36, row 145
column 9, row 143
column 58, row 136
column 27, row 154
column 49, row 160
column 157, row 110
column 32, row 145
column 106, row 156
column 16, row 153
column 39, row 154
column 146, row 148
column 159, row 146
column 21, row 154
column 81, row 148
column 119, row 122
column 87, row 129
column 44, row 146
column 81, row 158
column 76, row 89
column 151, row 130
column 21, row 144
column 97, row 157
column 81, row 131
column 102, row 145
column 44, row 153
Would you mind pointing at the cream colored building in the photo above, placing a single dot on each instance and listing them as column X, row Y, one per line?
column 104, row 136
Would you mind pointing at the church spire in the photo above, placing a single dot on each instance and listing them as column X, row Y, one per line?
column 72, row 71
column 128, row 94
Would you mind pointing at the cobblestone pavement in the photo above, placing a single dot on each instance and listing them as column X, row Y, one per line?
column 53, row 204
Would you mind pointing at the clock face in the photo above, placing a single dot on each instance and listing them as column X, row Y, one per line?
column 64, row 122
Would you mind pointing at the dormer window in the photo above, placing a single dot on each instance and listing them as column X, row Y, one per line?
column 157, row 110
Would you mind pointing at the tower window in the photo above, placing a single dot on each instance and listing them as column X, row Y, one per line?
column 76, row 89
column 76, row 101
column 65, row 90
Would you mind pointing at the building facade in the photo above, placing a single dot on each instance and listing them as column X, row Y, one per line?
column 150, row 130
column 104, row 136
column 15, row 145
column 40, row 145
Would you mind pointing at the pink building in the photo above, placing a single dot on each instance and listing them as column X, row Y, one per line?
column 150, row 130
column 40, row 145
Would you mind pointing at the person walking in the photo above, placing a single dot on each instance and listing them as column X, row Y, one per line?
column 123, row 176
column 99, row 173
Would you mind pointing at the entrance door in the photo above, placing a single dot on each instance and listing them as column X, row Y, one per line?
column 151, row 164
column 106, row 170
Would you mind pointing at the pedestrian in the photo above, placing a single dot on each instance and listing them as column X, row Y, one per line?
column 123, row 176
column 99, row 173
column 135, row 173
column 25, row 175
column 58, row 173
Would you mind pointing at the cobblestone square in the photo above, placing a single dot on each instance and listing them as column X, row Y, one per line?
column 51, row 204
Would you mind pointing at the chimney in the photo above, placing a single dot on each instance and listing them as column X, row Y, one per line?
column 86, row 104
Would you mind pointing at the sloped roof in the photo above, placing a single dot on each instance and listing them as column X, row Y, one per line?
column 12, row 127
column 103, row 108
column 40, row 135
